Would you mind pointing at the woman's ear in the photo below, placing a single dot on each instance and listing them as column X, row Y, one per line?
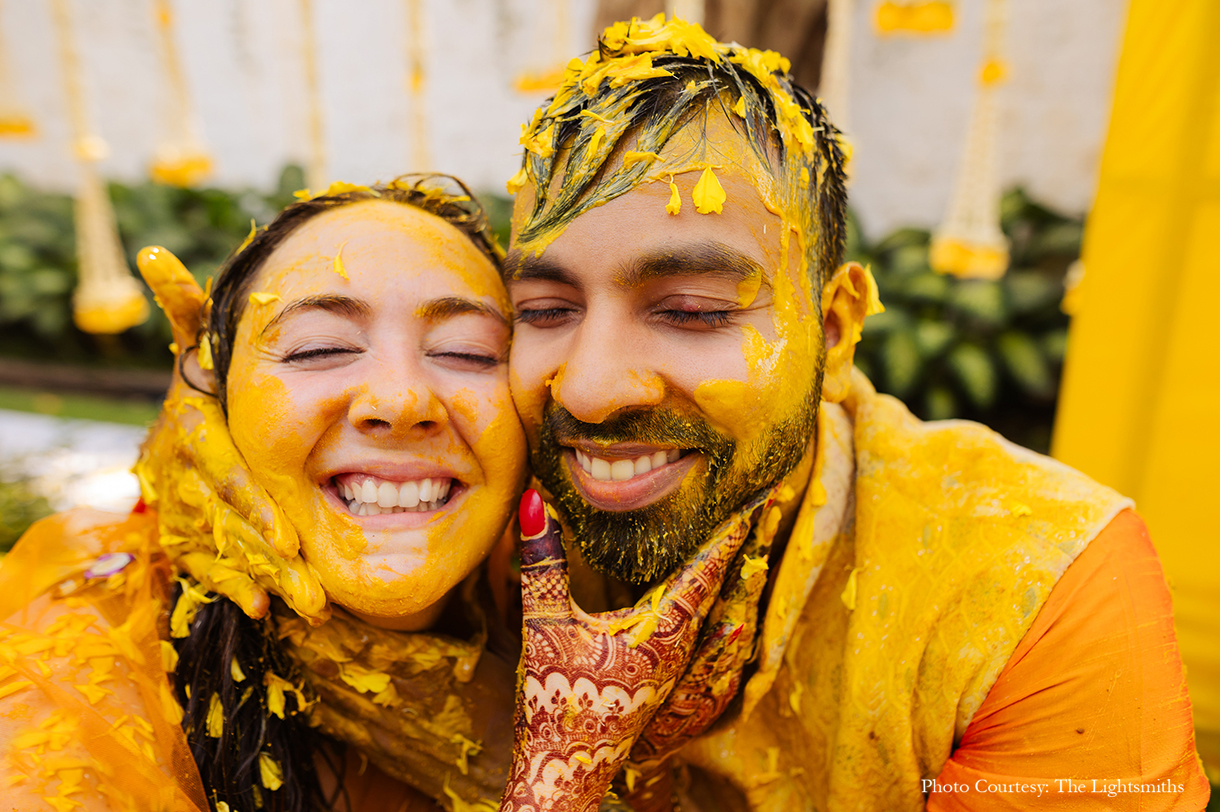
column 198, row 375
column 849, row 296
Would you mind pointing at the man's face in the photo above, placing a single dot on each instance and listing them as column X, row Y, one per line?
column 666, row 367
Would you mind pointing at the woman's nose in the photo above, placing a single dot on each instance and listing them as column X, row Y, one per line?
column 397, row 402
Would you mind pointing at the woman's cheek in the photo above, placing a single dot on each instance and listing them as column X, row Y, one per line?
column 273, row 432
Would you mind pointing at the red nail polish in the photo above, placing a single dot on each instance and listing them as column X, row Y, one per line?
column 532, row 515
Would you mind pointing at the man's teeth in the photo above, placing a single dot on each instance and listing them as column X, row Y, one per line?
column 620, row 470
column 373, row 496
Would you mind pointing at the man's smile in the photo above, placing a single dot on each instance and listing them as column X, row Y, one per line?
column 627, row 476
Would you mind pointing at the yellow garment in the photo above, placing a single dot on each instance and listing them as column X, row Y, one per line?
column 85, row 706
column 1140, row 404
column 920, row 556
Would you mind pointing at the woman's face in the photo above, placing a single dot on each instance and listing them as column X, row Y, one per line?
column 368, row 391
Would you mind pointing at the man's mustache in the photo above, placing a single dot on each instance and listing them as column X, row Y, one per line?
column 661, row 427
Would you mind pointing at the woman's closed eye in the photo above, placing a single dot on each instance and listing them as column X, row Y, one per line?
column 313, row 356
column 466, row 359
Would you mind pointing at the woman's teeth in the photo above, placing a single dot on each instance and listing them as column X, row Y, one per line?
column 620, row 470
column 372, row 497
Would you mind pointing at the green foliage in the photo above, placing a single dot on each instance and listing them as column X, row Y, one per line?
column 985, row 350
column 20, row 506
column 38, row 260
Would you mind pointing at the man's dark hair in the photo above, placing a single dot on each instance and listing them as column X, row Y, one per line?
column 686, row 74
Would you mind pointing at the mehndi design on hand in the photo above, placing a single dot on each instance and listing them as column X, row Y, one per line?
column 215, row 521
column 715, row 672
column 589, row 684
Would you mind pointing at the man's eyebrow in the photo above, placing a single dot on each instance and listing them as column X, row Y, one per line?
column 333, row 303
column 521, row 267
column 450, row 306
column 703, row 259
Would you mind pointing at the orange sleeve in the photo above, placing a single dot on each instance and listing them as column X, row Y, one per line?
column 1091, row 711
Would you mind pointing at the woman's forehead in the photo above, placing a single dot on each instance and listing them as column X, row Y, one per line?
column 379, row 245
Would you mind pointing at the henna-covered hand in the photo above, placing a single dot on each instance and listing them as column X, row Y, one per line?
column 589, row 684
column 713, row 677
column 214, row 519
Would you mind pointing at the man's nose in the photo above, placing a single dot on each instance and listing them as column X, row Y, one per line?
column 397, row 401
column 606, row 372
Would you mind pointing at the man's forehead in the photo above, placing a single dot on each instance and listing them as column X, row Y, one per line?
column 710, row 140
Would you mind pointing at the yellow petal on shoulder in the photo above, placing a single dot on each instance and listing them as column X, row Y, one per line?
column 14, row 687
column 216, row 717
column 260, row 298
column 674, row 206
column 94, row 693
column 269, row 772
column 709, row 194
column 849, row 592
column 364, row 680
column 751, row 565
column 517, row 182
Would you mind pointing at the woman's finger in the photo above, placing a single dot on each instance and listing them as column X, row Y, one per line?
column 691, row 591
column 220, row 463
column 176, row 291
column 544, row 568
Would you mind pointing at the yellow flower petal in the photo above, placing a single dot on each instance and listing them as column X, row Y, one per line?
column 674, row 206
column 269, row 772
column 517, row 181
column 709, row 194
column 339, row 269
column 365, row 680
column 631, row 158
column 235, row 670
column 216, row 717
column 263, row 298
column 740, row 107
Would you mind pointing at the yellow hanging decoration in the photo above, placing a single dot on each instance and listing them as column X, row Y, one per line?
column 934, row 17
column 549, row 79
column 315, row 168
column 108, row 299
column 15, row 120
column 835, row 85
column 181, row 158
column 969, row 242
column 417, row 60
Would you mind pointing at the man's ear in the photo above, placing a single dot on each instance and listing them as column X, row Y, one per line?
column 849, row 296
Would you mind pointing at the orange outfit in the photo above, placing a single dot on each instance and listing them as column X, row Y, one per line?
column 1094, row 691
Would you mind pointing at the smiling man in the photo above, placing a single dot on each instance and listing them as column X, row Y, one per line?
column 946, row 616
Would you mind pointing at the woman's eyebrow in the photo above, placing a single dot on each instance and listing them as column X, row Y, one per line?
column 450, row 306
column 334, row 303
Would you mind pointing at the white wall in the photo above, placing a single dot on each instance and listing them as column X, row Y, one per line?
column 910, row 97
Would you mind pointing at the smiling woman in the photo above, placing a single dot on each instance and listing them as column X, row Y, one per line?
column 356, row 349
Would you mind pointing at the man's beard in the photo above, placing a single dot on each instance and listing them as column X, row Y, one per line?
column 643, row 545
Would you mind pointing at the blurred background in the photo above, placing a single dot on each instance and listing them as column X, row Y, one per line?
column 1000, row 148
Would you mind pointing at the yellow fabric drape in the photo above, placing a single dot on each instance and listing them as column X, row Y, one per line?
column 1140, row 405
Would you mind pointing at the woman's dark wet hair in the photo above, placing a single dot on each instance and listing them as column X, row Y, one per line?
column 221, row 633
column 442, row 195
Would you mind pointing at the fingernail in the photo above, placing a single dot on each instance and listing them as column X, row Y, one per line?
column 531, row 516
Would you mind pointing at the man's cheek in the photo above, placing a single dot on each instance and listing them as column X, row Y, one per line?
column 529, row 393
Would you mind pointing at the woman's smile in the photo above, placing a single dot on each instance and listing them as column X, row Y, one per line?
column 374, row 406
